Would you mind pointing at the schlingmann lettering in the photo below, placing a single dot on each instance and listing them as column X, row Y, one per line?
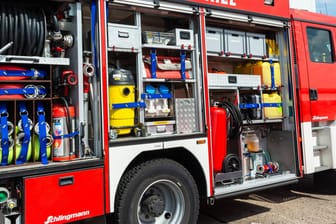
column 59, row 218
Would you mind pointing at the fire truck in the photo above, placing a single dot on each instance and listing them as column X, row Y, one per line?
column 137, row 111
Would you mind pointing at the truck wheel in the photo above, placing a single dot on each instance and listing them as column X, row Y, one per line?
column 157, row 191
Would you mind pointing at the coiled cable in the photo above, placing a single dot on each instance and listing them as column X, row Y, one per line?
column 25, row 27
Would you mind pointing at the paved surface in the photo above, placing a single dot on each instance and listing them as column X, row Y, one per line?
column 302, row 203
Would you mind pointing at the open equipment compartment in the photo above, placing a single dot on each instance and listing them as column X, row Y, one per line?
column 150, row 86
column 46, row 76
column 252, row 123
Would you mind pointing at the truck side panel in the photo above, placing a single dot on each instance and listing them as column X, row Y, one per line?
column 315, row 63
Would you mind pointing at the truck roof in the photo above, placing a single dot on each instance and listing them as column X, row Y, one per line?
column 312, row 17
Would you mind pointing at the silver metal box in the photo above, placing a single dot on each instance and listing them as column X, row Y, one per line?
column 183, row 37
column 123, row 36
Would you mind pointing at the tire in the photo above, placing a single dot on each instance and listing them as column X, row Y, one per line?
column 157, row 191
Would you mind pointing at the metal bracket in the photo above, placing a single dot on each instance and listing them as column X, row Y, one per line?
column 156, row 3
column 208, row 12
column 196, row 10
column 211, row 200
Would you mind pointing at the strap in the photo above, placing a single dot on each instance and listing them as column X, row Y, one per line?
column 128, row 105
column 272, row 104
column 272, row 75
column 153, row 63
column 93, row 31
column 26, row 130
column 249, row 105
column 183, row 65
column 42, row 133
column 4, row 134
column 32, row 73
column 155, row 96
column 70, row 135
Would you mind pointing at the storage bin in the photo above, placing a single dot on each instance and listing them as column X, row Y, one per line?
column 256, row 45
column 234, row 42
column 214, row 40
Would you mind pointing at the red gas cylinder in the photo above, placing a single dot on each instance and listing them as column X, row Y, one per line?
column 218, row 136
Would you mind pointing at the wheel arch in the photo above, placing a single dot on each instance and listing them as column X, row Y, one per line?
column 180, row 155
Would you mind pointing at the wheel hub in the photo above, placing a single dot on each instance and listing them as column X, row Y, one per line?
column 153, row 205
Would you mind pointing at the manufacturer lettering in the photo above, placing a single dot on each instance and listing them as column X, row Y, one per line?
column 223, row 2
column 68, row 217
column 320, row 118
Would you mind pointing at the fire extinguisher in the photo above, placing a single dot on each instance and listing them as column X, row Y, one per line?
column 63, row 123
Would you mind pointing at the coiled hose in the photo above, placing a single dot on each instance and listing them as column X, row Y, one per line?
column 24, row 27
column 236, row 119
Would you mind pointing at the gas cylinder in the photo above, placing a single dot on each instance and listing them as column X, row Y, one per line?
column 218, row 136
column 121, row 91
column 64, row 144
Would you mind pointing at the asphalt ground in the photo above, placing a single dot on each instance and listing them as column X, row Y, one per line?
column 311, row 201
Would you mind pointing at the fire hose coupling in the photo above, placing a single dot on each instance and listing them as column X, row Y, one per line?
column 29, row 91
column 37, row 130
column 35, row 91
column 48, row 138
column 88, row 69
column 10, row 127
column 10, row 142
column 20, row 138
column 69, row 78
column 21, row 127
column 271, row 167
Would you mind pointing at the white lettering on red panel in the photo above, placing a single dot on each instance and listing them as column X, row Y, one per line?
column 320, row 118
column 223, row 2
column 67, row 217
